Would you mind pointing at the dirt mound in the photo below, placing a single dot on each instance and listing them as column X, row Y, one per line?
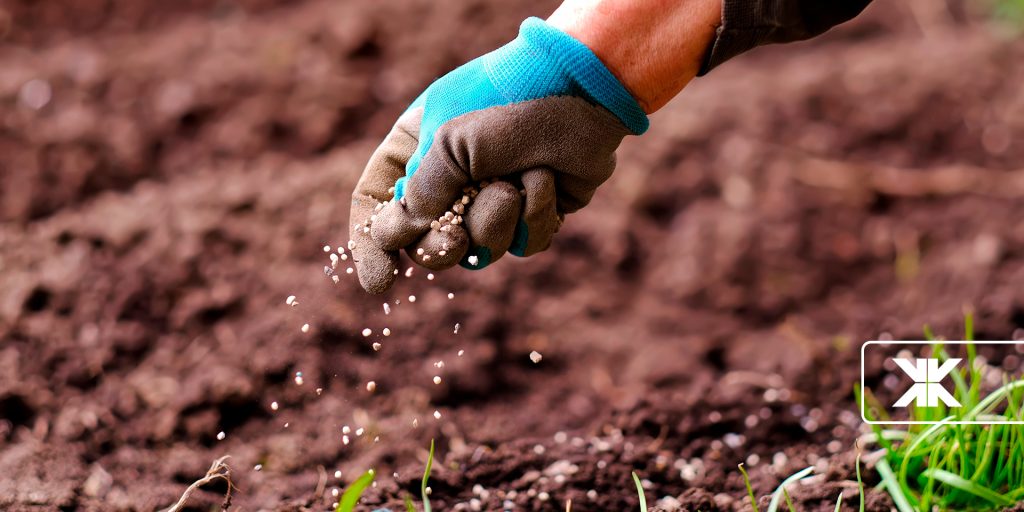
column 172, row 172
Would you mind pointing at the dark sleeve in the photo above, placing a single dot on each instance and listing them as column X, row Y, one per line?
column 750, row 23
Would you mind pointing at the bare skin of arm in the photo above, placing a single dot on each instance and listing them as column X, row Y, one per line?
column 654, row 47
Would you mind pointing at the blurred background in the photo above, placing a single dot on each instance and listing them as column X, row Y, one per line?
column 170, row 171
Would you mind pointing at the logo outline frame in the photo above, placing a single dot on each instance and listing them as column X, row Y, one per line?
column 861, row 403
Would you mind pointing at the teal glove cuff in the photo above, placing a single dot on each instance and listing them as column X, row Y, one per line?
column 542, row 62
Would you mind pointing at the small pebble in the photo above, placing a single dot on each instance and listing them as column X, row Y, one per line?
column 349, row 270
column 336, row 279
column 535, row 357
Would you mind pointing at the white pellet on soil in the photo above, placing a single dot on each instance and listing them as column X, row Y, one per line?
column 221, row 436
column 274, row 406
column 337, row 473
column 335, row 492
column 305, row 327
column 351, row 244
column 376, row 346
column 291, row 301
column 437, row 379
column 327, row 248
column 412, row 298
column 367, row 332
column 451, row 295
column 386, row 332
column 257, row 467
column 371, row 386
column 461, row 352
column 536, row 357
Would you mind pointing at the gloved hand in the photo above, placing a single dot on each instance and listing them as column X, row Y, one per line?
column 491, row 157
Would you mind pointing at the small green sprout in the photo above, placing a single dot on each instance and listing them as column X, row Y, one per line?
column 354, row 491
column 640, row 492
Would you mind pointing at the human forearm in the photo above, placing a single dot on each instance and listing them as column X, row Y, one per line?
column 654, row 47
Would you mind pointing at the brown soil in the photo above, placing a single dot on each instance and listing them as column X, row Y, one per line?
column 196, row 155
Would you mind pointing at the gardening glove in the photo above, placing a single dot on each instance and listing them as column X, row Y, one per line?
column 491, row 157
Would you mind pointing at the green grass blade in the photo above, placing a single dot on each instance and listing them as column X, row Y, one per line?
column 968, row 486
column 426, row 478
column 640, row 492
column 409, row 506
column 860, row 486
column 893, row 486
column 750, row 490
column 773, row 506
column 354, row 491
column 789, row 502
column 839, row 502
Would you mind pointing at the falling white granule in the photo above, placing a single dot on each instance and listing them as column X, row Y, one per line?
column 319, row 391
column 344, row 257
column 437, row 379
column 351, row 244
column 439, row 364
column 257, row 467
column 415, row 423
column 336, row 279
column 387, row 309
column 408, row 272
column 344, row 440
column 337, row 473
column 451, row 295
column 367, row 332
column 341, row 250
column 327, row 248
column 376, row 346
column 535, row 357
column 437, row 415
column 473, row 260
column 461, row 352
column 349, row 270
column 371, row 386
column 334, row 492
column 298, row 379
column 274, row 406
column 334, row 260
column 419, row 251
column 291, row 301
column 305, row 327
column 346, row 429
column 412, row 298
column 221, row 436
column 359, row 431
column 456, row 329
column 386, row 332
column 430, row 277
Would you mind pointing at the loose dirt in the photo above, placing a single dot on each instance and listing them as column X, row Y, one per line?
column 173, row 171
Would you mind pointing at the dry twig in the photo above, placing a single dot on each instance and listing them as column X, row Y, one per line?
column 218, row 470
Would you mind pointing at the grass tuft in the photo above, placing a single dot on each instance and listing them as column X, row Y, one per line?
column 949, row 466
